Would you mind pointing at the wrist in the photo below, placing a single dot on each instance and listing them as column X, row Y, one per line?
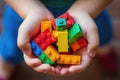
column 24, row 7
column 93, row 8
column 78, row 14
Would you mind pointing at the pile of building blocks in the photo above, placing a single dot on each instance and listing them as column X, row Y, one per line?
column 57, row 41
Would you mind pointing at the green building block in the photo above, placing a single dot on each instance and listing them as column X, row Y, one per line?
column 60, row 24
column 45, row 59
column 74, row 33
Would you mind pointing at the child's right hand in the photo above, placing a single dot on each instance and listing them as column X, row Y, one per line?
column 27, row 30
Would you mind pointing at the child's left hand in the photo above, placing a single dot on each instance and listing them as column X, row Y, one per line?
column 90, row 32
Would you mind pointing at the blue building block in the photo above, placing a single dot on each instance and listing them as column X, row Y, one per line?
column 36, row 49
column 60, row 24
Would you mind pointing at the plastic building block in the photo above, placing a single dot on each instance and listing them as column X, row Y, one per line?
column 51, row 52
column 54, row 35
column 75, row 46
column 69, row 59
column 74, row 32
column 69, row 20
column 36, row 49
column 60, row 24
column 44, row 39
column 62, row 41
column 45, row 59
column 46, row 25
column 82, row 42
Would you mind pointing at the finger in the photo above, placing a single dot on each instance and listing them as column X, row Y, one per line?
column 32, row 61
column 53, row 71
column 45, row 68
column 50, row 16
column 57, row 70
column 85, row 61
column 64, row 71
column 93, row 40
column 36, row 64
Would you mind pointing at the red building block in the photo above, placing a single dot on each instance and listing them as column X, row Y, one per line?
column 82, row 42
column 44, row 39
column 69, row 20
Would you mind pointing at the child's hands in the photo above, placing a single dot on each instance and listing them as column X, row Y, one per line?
column 29, row 28
column 90, row 32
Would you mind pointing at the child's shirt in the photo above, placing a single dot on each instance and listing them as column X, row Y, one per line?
column 58, row 3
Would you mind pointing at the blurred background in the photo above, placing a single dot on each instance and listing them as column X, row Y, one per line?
column 93, row 72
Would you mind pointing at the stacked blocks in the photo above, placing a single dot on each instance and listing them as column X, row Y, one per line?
column 58, row 40
column 69, row 21
column 61, row 24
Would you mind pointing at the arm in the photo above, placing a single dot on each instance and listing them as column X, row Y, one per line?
column 25, row 7
column 92, row 7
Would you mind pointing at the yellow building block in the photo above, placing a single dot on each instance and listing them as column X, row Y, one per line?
column 46, row 25
column 51, row 52
column 69, row 59
column 62, row 41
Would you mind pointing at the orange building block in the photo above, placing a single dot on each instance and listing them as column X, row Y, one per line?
column 69, row 59
column 46, row 25
column 54, row 35
column 82, row 42
column 51, row 52
column 75, row 46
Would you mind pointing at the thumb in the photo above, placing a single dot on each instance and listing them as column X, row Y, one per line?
column 27, row 29
column 93, row 39
column 90, row 31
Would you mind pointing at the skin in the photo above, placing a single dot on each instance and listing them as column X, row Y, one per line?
column 33, row 11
